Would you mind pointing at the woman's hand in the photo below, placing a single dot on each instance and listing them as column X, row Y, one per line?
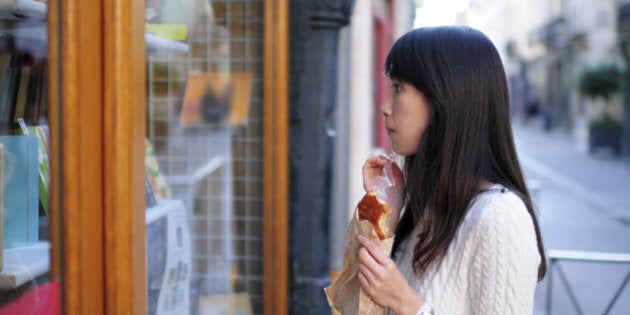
column 383, row 175
column 382, row 282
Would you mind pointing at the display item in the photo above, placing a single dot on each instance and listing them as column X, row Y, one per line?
column 21, row 191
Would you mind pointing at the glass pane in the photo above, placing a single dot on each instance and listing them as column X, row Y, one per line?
column 204, row 156
column 26, row 284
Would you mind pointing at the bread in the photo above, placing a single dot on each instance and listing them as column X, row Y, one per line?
column 370, row 219
column 376, row 211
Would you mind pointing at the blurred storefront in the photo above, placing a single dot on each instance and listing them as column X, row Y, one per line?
column 194, row 150
column 196, row 89
column 623, row 29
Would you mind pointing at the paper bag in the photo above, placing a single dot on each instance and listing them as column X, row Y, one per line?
column 344, row 294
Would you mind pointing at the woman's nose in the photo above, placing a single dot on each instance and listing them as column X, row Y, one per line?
column 386, row 106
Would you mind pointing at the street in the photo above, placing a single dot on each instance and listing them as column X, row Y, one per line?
column 584, row 205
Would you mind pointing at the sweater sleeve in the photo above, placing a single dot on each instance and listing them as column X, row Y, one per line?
column 505, row 262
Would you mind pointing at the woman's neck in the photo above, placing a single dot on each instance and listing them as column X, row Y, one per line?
column 485, row 184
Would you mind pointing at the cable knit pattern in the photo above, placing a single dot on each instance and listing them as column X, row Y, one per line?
column 492, row 265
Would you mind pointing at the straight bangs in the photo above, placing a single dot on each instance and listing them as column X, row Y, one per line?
column 402, row 62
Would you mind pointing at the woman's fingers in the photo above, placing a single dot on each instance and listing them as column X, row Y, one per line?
column 396, row 174
column 374, row 173
column 380, row 279
column 374, row 268
column 366, row 283
column 374, row 166
column 366, row 265
column 373, row 251
column 374, row 259
column 368, row 275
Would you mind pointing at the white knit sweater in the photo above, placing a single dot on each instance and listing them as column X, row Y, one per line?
column 490, row 267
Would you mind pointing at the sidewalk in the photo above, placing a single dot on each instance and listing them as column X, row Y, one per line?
column 602, row 180
column 583, row 202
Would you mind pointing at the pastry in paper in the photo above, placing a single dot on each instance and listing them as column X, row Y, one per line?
column 375, row 219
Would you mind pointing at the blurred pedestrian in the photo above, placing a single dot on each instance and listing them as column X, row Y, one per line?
column 532, row 108
column 468, row 240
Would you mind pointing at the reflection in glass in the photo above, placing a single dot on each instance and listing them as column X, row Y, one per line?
column 25, row 281
column 204, row 155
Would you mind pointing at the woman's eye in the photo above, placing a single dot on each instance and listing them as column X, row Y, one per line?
column 396, row 87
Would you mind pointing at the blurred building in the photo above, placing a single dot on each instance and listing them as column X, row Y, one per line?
column 545, row 45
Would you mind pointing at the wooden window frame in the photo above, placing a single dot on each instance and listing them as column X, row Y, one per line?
column 275, row 156
column 76, row 132
column 97, row 123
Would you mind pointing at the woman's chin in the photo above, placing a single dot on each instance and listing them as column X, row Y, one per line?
column 401, row 151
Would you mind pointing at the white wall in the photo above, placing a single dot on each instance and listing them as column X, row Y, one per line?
column 404, row 13
column 519, row 20
column 353, row 122
column 598, row 20
column 362, row 98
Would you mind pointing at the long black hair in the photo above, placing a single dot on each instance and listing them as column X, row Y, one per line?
column 469, row 137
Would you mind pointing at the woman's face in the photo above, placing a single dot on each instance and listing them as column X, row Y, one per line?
column 407, row 116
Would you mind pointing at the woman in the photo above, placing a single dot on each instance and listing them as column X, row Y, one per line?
column 468, row 240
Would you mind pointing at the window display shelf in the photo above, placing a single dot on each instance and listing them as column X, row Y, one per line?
column 30, row 11
column 25, row 8
column 25, row 20
column 161, row 44
column 23, row 264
